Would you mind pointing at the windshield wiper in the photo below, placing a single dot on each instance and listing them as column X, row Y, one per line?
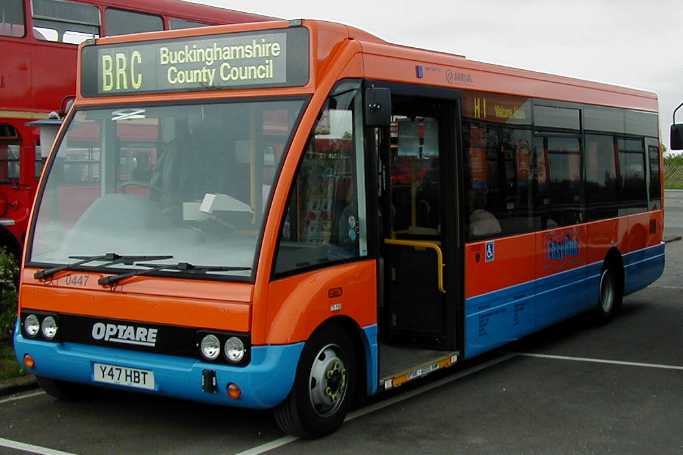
column 180, row 266
column 111, row 258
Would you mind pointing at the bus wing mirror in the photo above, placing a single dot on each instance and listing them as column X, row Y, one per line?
column 377, row 107
column 677, row 136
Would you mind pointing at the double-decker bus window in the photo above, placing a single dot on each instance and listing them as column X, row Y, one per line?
column 122, row 22
column 65, row 21
column 9, row 154
column 12, row 18
column 323, row 223
column 601, row 177
column 560, row 188
column 653, row 153
column 632, row 191
column 177, row 24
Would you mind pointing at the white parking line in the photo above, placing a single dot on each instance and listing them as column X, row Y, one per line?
column 21, row 397
column 30, row 448
column 263, row 448
column 609, row 362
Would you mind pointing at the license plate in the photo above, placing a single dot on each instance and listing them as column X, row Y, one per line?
column 130, row 377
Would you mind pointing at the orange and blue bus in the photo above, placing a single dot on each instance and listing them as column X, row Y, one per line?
column 297, row 215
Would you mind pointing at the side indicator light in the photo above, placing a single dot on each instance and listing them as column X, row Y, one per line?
column 234, row 391
column 29, row 363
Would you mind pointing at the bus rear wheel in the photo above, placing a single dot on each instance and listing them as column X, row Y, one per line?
column 323, row 387
column 609, row 298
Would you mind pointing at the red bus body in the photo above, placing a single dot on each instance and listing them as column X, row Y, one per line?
column 38, row 77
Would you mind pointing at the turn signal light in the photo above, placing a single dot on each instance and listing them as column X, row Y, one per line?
column 29, row 363
column 234, row 391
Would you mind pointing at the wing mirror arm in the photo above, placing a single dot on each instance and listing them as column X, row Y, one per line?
column 676, row 139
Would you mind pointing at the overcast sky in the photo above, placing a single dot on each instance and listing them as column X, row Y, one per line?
column 635, row 43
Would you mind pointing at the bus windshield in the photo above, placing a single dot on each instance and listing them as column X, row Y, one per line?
column 190, row 181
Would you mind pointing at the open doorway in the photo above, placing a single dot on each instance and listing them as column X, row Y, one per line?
column 417, row 228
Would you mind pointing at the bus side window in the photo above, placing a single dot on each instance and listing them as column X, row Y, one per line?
column 12, row 18
column 323, row 223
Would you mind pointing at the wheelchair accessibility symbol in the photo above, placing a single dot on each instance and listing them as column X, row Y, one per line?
column 490, row 251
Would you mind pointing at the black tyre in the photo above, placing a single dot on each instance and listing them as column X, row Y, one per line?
column 609, row 297
column 323, row 387
column 62, row 390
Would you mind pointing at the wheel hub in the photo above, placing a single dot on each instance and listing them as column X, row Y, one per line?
column 328, row 381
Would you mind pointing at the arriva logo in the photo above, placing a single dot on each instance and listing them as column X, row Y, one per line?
column 126, row 334
column 562, row 249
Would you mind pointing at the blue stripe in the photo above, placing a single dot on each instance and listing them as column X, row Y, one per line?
column 502, row 316
column 371, row 358
column 264, row 383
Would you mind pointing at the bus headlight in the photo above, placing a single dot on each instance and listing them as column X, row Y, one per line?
column 49, row 327
column 31, row 325
column 234, row 350
column 210, row 347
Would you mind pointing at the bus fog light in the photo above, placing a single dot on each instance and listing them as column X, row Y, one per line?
column 29, row 363
column 210, row 347
column 31, row 325
column 49, row 327
column 234, row 391
column 234, row 350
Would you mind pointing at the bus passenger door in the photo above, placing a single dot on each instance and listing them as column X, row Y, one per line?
column 415, row 156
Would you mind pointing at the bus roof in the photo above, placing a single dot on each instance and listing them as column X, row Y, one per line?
column 184, row 10
column 385, row 61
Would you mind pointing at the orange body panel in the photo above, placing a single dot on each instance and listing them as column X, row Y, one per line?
column 301, row 303
column 523, row 258
column 148, row 307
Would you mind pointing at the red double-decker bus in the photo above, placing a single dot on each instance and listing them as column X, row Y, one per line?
column 39, row 41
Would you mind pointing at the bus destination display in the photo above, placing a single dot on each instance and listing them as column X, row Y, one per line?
column 272, row 58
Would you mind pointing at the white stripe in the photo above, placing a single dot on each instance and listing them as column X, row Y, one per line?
column 609, row 362
column 666, row 287
column 30, row 448
column 21, row 397
column 268, row 446
column 263, row 448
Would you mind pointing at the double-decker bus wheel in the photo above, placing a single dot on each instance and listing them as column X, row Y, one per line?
column 323, row 387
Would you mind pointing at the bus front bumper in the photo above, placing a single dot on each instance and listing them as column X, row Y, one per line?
column 264, row 383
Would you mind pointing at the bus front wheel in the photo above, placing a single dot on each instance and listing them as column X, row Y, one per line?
column 323, row 387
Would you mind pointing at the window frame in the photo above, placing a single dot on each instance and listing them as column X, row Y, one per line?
column 359, row 120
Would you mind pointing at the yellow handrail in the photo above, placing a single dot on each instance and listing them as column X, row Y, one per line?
column 429, row 245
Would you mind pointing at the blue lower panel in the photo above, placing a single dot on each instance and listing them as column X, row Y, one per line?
column 265, row 382
column 371, row 358
column 643, row 268
column 497, row 318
